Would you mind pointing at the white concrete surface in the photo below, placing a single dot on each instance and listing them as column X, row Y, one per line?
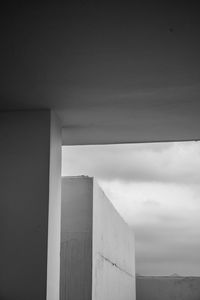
column 97, row 246
column 113, row 276
column 76, row 239
column 54, row 218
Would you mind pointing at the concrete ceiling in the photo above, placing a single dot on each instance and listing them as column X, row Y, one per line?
column 113, row 72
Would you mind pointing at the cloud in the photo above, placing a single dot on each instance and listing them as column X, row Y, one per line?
column 151, row 203
column 165, row 219
column 155, row 188
column 162, row 162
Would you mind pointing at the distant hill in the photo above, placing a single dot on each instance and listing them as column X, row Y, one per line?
column 175, row 275
column 167, row 287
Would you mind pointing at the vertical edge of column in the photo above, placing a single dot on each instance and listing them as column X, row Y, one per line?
column 54, row 217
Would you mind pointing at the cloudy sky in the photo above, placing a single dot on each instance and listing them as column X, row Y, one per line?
column 156, row 189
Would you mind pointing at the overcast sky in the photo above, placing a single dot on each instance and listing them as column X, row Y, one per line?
column 156, row 189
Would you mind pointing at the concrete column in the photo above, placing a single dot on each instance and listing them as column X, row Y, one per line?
column 76, row 239
column 97, row 246
column 30, row 202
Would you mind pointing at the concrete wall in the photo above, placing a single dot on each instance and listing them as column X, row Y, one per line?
column 168, row 288
column 97, row 246
column 76, row 239
column 25, row 163
column 113, row 252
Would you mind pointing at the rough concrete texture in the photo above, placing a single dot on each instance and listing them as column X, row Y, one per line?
column 30, row 164
column 167, row 288
column 97, row 246
column 113, row 252
column 76, row 239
